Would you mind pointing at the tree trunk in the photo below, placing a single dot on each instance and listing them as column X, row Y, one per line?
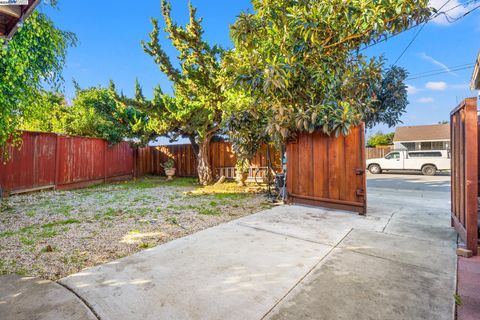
column 205, row 174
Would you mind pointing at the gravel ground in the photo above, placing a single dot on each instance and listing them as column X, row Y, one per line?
column 56, row 233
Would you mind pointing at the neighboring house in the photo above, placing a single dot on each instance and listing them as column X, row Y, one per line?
column 12, row 15
column 429, row 137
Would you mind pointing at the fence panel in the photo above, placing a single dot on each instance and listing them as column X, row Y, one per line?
column 32, row 165
column 47, row 160
column 327, row 171
column 119, row 160
column 372, row 153
column 221, row 155
column 465, row 152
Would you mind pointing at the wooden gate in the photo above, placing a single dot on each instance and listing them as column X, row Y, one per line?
column 328, row 171
column 465, row 152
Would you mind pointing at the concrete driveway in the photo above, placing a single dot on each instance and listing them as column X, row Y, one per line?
column 295, row 262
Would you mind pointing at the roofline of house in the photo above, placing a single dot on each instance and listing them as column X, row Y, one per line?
column 24, row 16
column 424, row 140
column 475, row 84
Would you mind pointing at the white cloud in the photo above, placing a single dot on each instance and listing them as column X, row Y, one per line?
column 437, row 63
column 454, row 7
column 411, row 89
column 437, row 86
column 425, row 100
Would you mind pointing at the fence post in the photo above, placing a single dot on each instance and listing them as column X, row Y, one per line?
column 57, row 160
column 104, row 161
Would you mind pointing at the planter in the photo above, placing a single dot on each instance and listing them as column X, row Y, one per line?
column 241, row 178
column 170, row 173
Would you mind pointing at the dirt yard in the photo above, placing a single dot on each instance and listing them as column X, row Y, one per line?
column 56, row 233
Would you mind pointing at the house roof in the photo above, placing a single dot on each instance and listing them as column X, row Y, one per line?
column 422, row 133
column 12, row 14
column 475, row 84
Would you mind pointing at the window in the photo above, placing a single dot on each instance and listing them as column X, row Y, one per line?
column 424, row 154
column 409, row 145
column 393, row 155
column 437, row 145
column 433, row 145
column 426, row 145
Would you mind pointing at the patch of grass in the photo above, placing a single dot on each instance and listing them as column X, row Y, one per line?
column 6, row 234
column 64, row 210
column 458, row 299
column 47, row 233
column 145, row 245
column 59, row 223
column 209, row 211
column 46, row 230
column 213, row 203
column 31, row 213
column 182, row 182
column 172, row 220
column 230, row 196
column 27, row 241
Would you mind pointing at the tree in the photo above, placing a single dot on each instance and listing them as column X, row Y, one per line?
column 390, row 99
column 380, row 139
column 33, row 59
column 195, row 111
column 301, row 61
column 47, row 113
column 96, row 113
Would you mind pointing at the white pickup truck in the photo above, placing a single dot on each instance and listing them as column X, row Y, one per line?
column 426, row 161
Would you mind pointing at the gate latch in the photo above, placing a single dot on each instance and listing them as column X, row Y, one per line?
column 359, row 172
column 360, row 192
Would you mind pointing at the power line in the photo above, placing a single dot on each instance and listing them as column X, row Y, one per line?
column 438, row 73
column 417, row 25
column 446, row 68
column 416, row 34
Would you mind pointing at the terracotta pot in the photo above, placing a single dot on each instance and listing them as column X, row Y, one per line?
column 170, row 173
column 241, row 178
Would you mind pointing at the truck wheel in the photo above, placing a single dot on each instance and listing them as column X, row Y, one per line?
column 374, row 169
column 429, row 170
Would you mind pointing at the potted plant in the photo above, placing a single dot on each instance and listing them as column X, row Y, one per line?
column 242, row 169
column 169, row 168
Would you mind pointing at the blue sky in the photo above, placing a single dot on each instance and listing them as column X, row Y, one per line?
column 109, row 48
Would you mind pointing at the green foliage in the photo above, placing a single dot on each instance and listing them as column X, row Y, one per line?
column 301, row 63
column 196, row 109
column 47, row 113
column 242, row 166
column 390, row 100
column 245, row 126
column 169, row 164
column 96, row 113
column 380, row 139
column 33, row 59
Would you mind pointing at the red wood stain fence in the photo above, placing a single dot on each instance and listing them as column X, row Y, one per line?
column 465, row 166
column 221, row 155
column 47, row 160
column 372, row 153
column 327, row 171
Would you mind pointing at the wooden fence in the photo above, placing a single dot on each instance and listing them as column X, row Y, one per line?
column 221, row 156
column 465, row 166
column 372, row 153
column 328, row 171
column 48, row 160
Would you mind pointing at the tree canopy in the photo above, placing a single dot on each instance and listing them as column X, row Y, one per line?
column 195, row 110
column 33, row 59
column 380, row 139
column 302, row 62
